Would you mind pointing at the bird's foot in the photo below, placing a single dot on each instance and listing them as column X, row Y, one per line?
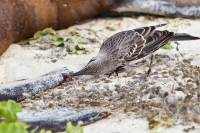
column 116, row 71
column 109, row 74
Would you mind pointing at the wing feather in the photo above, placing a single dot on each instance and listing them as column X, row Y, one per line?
column 153, row 45
column 137, row 43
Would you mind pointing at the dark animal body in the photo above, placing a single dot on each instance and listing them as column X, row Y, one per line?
column 21, row 19
column 126, row 46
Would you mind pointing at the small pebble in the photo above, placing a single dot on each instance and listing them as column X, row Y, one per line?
column 171, row 99
column 106, row 86
column 107, row 81
column 117, row 85
column 54, row 60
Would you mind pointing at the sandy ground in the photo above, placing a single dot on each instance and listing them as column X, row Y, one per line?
column 129, row 97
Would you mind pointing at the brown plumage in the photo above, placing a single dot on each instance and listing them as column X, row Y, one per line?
column 129, row 45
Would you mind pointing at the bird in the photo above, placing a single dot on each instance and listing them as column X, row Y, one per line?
column 126, row 46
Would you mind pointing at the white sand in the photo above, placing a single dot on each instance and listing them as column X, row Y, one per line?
column 20, row 63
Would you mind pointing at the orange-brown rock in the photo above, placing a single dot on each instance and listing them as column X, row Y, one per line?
column 20, row 19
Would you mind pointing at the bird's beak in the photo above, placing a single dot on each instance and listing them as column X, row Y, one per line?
column 77, row 73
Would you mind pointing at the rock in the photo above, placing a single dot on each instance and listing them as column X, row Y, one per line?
column 26, row 18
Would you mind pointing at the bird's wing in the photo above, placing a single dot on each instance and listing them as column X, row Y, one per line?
column 154, row 40
column 144, row 33
column 130, row 44
column 153, row 43
column 123, row 44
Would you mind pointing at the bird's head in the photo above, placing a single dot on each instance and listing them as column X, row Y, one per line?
column 95, row 66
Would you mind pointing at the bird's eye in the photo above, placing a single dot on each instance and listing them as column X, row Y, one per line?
column 93, row 59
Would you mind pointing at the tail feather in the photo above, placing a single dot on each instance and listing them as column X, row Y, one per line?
column 160, row 25
column 183, row 37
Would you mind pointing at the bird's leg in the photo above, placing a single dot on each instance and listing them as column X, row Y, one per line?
column 109, row 74
column 150, row 65
column 178, row 48
column 116, row 71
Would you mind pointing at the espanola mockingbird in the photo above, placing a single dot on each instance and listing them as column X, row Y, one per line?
column 127, row 46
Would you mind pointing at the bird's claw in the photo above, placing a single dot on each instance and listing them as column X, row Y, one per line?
column 116, row 71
